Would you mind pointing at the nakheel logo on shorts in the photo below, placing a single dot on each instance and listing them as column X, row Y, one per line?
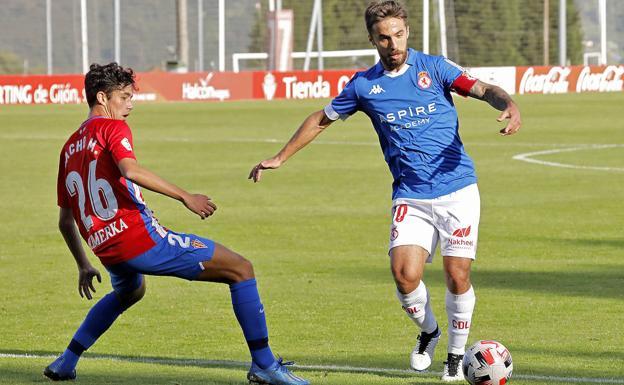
column 462, row 233
column 461, row 243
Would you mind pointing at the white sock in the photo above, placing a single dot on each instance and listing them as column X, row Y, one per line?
column 459, row 310
column 417, row 307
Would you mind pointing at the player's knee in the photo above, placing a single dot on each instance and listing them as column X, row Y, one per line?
column 407, row 280
column 458, row 280
column 129, row 299
column 244, row 270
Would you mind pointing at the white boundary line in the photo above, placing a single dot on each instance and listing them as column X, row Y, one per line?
column 528, row 157
column 330, row 368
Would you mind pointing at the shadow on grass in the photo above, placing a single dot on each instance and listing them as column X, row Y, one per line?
column 597, row 282
column 585, row 242
column 605, row 282
column 17, row 376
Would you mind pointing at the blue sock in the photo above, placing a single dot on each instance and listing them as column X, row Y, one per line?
column 98, row 320
column 250, row 314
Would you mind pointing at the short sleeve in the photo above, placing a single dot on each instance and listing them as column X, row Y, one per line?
column 345, row 104
column 118, row 140
column 61, row 192
column 447, row 71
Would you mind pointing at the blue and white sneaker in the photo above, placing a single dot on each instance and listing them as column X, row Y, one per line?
column 276, row 374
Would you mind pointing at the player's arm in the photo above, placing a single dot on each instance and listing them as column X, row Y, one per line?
column 86, row 272
column 499, row 99
column 197, row 203
column 311, row 127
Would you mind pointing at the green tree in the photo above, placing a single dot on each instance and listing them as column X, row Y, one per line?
column 10, row 63
column 482, row 33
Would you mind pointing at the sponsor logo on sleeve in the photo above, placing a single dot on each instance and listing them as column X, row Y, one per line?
column 126, row 143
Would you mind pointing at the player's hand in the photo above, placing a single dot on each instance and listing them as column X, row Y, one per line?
column 199, row 204
column 85, row 281
column 513, row 114
column 256, row 171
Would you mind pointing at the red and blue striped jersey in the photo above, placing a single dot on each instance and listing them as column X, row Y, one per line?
column 109, row 209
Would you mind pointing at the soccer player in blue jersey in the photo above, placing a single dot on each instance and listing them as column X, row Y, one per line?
column 100, row 199
column 435, row 199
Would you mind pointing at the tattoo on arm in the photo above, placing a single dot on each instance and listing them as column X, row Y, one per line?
column 494, row 95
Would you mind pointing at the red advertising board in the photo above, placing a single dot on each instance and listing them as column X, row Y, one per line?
column 41, row 89
column 194, row 86
column 299, row 84
column 152, row 86
column 268, row 85
column 560, row 80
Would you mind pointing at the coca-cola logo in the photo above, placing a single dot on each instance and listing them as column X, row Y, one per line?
column 553, row 82
column 609, row 80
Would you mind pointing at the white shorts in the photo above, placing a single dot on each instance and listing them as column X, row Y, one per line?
column 452, row 220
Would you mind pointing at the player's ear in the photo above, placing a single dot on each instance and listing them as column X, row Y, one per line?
column 101, row 97
column 370, row 38
column 407, row 32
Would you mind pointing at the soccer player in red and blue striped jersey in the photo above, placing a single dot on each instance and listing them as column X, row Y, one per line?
column 99, row 195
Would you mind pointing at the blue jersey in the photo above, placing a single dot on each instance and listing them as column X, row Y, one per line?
column 416, row 121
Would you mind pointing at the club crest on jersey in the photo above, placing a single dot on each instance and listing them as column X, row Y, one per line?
column 424, row 81
column 376, row 90
column 196, row 243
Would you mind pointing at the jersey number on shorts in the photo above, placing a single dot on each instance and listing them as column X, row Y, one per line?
column 400, row 212
column 182, row 242
column 101, row 196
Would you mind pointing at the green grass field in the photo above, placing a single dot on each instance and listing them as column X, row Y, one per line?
column 549, row 275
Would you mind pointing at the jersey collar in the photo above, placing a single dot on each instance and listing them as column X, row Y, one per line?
column 409, row 62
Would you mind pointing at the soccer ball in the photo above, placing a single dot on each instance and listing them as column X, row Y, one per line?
column 487, row 363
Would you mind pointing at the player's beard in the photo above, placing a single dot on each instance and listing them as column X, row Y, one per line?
column 391, row 63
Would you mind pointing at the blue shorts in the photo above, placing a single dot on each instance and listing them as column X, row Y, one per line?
column 177, row 255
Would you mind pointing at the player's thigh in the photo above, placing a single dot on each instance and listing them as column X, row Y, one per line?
column 457, row 221
column 412, row 225
column 177, row 254
column 226, row 266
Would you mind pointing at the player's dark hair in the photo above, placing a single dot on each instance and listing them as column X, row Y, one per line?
column 107, row 78
column 379, row 10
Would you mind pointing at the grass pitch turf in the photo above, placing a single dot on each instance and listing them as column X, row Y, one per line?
column 549, row 275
